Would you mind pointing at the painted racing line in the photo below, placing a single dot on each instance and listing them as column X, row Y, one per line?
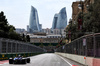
column 4, row 62
column 67, row 61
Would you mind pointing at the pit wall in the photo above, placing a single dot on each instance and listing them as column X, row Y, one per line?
column 88, row 61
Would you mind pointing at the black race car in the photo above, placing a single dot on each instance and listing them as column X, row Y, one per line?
column 19, row 60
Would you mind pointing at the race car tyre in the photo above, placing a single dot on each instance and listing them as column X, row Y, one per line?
column 24, row 61
column 28, row 60
column 10, row 61
column 14, row 62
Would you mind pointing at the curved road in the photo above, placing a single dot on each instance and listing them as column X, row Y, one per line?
column 47, row 59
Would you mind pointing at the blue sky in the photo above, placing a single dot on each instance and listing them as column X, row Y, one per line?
column 18, row 11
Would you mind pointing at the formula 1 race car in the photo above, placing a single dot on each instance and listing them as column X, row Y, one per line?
column 19, row 60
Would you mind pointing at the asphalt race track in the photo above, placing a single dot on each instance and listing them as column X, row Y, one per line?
column 47, row 59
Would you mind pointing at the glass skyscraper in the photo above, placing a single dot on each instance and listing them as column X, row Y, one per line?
column 55, row 21
column 60, row 20
column 34, row 25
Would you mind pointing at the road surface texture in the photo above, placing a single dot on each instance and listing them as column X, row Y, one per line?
column 47, row 59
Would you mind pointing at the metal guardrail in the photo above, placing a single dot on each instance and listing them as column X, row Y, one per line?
column 13, row 46
column 88, row 45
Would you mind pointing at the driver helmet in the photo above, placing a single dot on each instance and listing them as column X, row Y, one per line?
column 19, row 55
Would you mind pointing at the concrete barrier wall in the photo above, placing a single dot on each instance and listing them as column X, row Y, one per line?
column 77, row 58
column 89, row 61
column 96, row 62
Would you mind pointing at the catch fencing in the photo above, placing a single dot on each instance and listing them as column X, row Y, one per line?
column 88, row 45
column 13, row 46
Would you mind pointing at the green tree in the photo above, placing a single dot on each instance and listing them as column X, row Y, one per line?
column 91, row 22
column 3, row 25
column 92, row 18
column 28, row 38
column 41, row 45
column 6, row 30
column 50, row 44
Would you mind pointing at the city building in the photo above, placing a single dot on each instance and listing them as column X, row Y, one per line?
column 47, row 31
column 59, row 23
column 76, row 10
column 20, row 31
column 45, row 39
column 28, row 28
column 60, row 20
column 40, row 27
column 54, row 25
column 34, row 25
column 59, row 32
column 54, row 31
column 87, row 3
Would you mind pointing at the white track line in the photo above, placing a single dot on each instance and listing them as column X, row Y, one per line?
column 4, row 63
column 65, row 60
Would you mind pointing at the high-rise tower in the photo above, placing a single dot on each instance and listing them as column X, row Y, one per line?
column 55, row 21
column 60, row 20
column 34, row 25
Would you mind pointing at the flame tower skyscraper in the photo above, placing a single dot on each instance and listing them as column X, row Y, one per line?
column 34, row 25
column 60, row 20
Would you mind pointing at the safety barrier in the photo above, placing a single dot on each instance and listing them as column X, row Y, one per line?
column 88, row 45
column 85, row 50
column 5, row 56
column 10, row 48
